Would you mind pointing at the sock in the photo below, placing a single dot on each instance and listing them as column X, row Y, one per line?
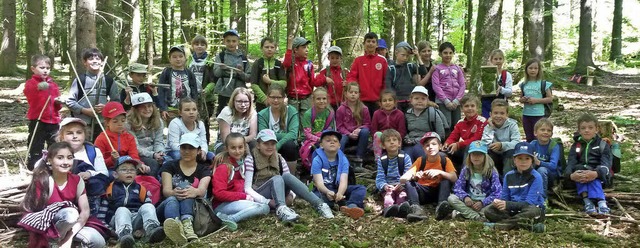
column 587, row 201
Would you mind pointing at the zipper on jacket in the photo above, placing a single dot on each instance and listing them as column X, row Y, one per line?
column 126, row 194
column 586, row 152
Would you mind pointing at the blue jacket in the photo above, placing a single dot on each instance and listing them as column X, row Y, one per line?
column 122, row 195
column 490, row 186
column 522, row 189
column 549, row 161
column 330, row 175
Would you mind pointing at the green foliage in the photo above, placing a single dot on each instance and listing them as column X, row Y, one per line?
column 624, row 121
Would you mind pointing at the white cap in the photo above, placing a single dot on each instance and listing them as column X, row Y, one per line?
column 140, row 98
column 69, row 120
column 190, row 139
column 420, row 89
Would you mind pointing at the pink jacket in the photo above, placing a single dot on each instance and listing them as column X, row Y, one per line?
column 448, row 83
column 346, row 123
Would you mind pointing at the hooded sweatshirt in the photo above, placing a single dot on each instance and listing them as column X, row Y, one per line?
column 330, row 175
column 345, row 121
column 508, row 134
column 490, row 186
column 305, row 78
column 590, row 156
column 448, row 83
column 521, row 189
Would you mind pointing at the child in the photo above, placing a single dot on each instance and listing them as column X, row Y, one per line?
column 268, row 179
column 590, row 167
column 466, row 131
column 127, row 206
column 231, row 69
column 546, row 159
column 98, row 93
column 478, row 184
column 449, row 84
column 387, row 117
column 403, row 76
column 504, row 84
column 316, row 120
column 330, row 170
column 239, row 116
column 369, row 70
column 299, row 88
column 187, row 123
column 266, row 71
column 393, row 164
column 138, row 74
column 42, row 95
column 429, row 179
column 183, row 180
column 178, row 83
column 501, row 134
column 144, row 122
column 353, row 122
column 383, row 51
column 283, row 119
column 425, row 50
column 57, row 199
column 536, row 92
column 201, row 64
column 421, row 118
column 230, row 200
column 334, row 76
column 521, row 203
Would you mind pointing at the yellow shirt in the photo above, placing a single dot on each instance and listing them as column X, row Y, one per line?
column 431, row 182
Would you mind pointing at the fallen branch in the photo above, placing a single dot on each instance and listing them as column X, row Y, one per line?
column 624, row 211
column 607, row 228
column 560, row 204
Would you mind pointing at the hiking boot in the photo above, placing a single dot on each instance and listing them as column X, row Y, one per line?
column 456, row 215
column 286, row 214
column 227, row 222
column 155, row 234
column 325, row 211
column 391, row 211
column 188, row 229
column 443, row 210
column 127, row 241
column 590, row 209
column 604, row 210
column 416, row 214
column 403, row 210
column 538, row 228
column 357, row 165
column 352, row 211
column 174, row 231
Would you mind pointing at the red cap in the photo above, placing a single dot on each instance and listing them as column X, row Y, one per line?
column 112, row 109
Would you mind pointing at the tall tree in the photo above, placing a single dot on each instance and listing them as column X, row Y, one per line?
column 164, row 8
column 73, row 53
column 85, row 28
column 387, row 23
column 33, row 29
column 585, row 52
column 428, row 9
column 150, row 40
column 271, row 17
column 441, row 8
column 410, row 26
column 616, row 33
column 293, row 20
column 8, row 49
column 105, row 31
column 533, row 20
column 488, row 24
column 548, row 29
column 399, row 16
column 131, row 41
column 419, row 20
column 348, row 28
column 186, row 15
column 467, row 34
column 49, row 37
column 242, row 25
column 325, row 10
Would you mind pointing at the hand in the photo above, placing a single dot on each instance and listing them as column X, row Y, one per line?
column 500, row 204
column 331, row 195
column 250, row 198
column 451, row 106
column 180, row 193
column 329, row 80
column 468, row 202
column 58, row 100
column 43, row 86
column 498, row 90
column 477, row 205
column 144, row 169
column 419, row 174
column 453, row 148
column 339, row 197
column 128, row 90
column 352, row 136
column 239, row 67
column 576, row 176
column 290, row 41
column 223, row 66
column 98, row 108
column 432, row 173
column 536, row 160
column 409, row 141
column 165, row 115
column 398, row 187
column 266, row 79
column 115, row 155
column 154, row 90
column 388, row 188
column 84, row 175
column 496, row 146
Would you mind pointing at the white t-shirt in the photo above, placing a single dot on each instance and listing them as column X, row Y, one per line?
column 240, row 125
column 99, row 165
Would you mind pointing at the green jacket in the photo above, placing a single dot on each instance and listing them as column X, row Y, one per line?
column 291, row 130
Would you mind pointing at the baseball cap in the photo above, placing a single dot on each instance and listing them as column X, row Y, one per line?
column 420, row 89
column 300, row 41
column 266, row 135
column 230, row 32
column 382, row 44
column 138, row 68
column 112, row 109
column 335, row 49
column 141, row 98
column 190, row 139
column 127, row 159
column 179, row 48
column 478, row 146
column 404, row 44
column 330, row 132
column 428, row 136
column 523, row 148
column 69, row 120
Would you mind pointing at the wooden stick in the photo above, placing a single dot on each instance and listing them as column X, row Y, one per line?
column 624, row 211
column 560, row 204
column 607, row 228
column 35, row 129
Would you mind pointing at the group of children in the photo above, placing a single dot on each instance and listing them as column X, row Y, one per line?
column 131, row 183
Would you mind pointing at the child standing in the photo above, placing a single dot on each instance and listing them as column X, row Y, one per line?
column 42, row 95
column 466, row 131
column 536, row 92
column 239, row 116
column 478, row 184
column 187, row 123
column 283, row 119
column 425, row 51
column 421, row 118
column 334, row 76
column 403, row 75
column 299, row 88
column 501, row 134
column 387, row 117
column 383, row 51
column 138, row 75
column 127, row 206
column 353, row 122
column 316, row 120
column 449, row 84
column 330, row 170
column 179, row 83
column 504, row 84
column 590, row 167
column 547, row 154
column 393, row 164
column 231, row 69
column 521, row 203
column 201, row 64
column 266, row 71
column 144, row 122
column 369, row 70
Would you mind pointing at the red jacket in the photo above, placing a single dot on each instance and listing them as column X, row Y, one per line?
column 467, row 129
column 383, row 120
column 37, row 98
column 225, row 191
column 124, row 143
column 305, row 77
column 369, row 71
column 338, row 83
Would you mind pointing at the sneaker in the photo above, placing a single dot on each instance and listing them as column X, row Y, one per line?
column 174, row 231
column 188, row 229
column 286, row 214
column 403, row 210
column 391, row 211
column 443, row 210
column 456, row 215
column 353, row 212
column 127, row 241
column 155, row 235
column 604, row 210
column 590, row 209
column 538, row 228
column 416, row 214
column 325, row 211
column 227, row 222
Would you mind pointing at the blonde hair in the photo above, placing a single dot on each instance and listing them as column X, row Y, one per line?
column 487, row 168
column 135, row 119
column 543, row 122
column 423, row 44
column 65, row 128
column 315, row 94
column 496, row 52
column 232, row 106
column 357, row 111
column 500, row 103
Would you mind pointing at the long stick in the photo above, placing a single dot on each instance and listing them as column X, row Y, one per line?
column 35, row 129
column 89, row 102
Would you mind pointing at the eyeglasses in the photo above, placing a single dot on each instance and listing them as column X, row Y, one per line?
column 127, row 171
column 276, row 97
column 242, row 102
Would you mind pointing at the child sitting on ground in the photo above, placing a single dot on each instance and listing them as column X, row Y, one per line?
column 387, row 117
column 316, row 120
column 501, row 134
column 421, row 118
column 145, row 123
column 393, row 164
column 466, row 131
column 547, row 154
column 353, row 121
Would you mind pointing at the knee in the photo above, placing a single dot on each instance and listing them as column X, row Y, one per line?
column 277, row 179
column 147, row 207
column 453, row 198
column 365, row 132
column 264, row 208
column 68, row 216
column 171, row 200
column 123, row 210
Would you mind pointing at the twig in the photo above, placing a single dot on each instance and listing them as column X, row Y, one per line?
column 560, row 204
column 15, row 148
column 624, row 211
column 607, row 228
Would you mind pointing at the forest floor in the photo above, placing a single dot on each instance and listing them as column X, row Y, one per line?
column 616, row 97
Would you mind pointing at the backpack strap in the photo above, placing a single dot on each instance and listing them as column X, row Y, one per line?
column 384, row 160
column 423, row 163
column 443, row 161
column 91, row 152
column 245, row 61
column 393, row 68
column 109, row 192
column 503, row 78
column 432, row 118
column 543, row 87
column 142, row 196
column 221, row 55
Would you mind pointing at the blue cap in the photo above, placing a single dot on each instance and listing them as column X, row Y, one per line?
column 382, row 43
column 524, row 148
column 330, row 132
column 230, row 32
column 127, row 159
column 478, row 146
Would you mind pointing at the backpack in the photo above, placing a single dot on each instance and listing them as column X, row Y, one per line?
column 142, row 195
column 432, row 120
column 562, row 160
column 393, row 68
column 384, row 160
column 205, row 220
column 548, row 107
column 82, row 79
column 503, row 78
column 152, row 185
column 443, row 162
column 91, row 152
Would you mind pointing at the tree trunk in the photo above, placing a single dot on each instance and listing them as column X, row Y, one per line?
column 131, row 27
column 105, row 36
column 348, row 28
column 399, row 16
column 62, row 34
column 318, row 44
column 533, row 19
column 33, row 30
column 428, row 8
column 271, row 18
column 616, row 33
column 172, row 21
column 585, row 51
column 186, row 15
column 73, row 53
column 150, row 39
column 276, row 33
column 548, row 29
column 293, row 21
column 242, row 25
column 419, row 21
column 440, row 21
column 85, row 28
column 387, row 23
column 488, row 24
column 50, row 46
column 165, row 29
column 467, row 35
column 325, row 10
column 8, row 49
column 233, row 14
column 410, row 26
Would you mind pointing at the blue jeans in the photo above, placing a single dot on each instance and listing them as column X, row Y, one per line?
column 172, row 208
column 452, row 116
column 87, row 236
column 145, row 219
column 354, row 195
column 242, row 209
column 276, row 188
column 414, row 151
column 547, row 179
column 363, row 141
